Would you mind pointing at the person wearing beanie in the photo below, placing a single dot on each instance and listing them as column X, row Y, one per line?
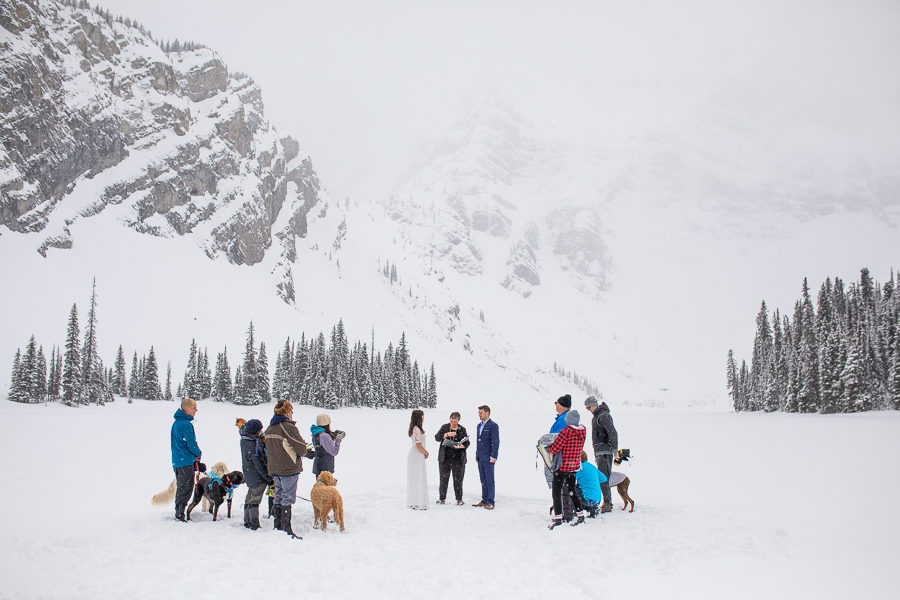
column 605, row 440
column 327, row 444
column 253, row 465
column 562, row 404
column 569, row 445
column 284, row 448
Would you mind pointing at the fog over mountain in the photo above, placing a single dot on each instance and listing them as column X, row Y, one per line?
column 610, row 186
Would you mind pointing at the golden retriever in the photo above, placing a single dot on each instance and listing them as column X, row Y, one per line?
column 325, row 498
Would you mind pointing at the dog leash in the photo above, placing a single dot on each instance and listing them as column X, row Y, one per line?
column 302, row 498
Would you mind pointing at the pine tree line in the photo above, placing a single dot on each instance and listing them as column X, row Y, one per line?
column 330, row 374
column 76, row 373
column 583, row 383
column 841, row 356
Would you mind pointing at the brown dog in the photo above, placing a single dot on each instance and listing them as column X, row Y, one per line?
column 325, row 498
column 621, row 483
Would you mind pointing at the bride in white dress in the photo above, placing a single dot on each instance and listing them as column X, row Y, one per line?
column 416, row 480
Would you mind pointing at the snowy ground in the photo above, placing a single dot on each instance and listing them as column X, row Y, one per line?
column 728, row 505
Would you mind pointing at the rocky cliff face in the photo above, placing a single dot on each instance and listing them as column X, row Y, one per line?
column 94, row 114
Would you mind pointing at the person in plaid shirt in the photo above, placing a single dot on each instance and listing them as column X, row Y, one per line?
column 569, row 444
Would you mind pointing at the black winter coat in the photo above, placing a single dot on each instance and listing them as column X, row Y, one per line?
column 252, row 464
column 451, row 453
column 603, row 432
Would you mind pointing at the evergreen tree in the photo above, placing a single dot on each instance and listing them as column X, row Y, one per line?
column 71, row 377
column 223, row 389
column 93, row 388
column 760, row 363
column 204, row 378
column 168, row 394
column 851, row 381
column 262, row 374
column 248, row 392
column 120, row 382
column 16, row 391
column 41, row 376
column 432, row 388
column 238, row 383
column 731, row 378
column 151, row 378
column 894, row 376
column 134, row 383
column 189, row 385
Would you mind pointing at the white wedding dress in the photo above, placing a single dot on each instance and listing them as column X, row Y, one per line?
column 416, row 479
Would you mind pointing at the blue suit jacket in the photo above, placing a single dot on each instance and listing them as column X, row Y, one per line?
column 488, row 441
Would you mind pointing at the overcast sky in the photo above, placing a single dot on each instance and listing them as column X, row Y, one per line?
column 362, row 84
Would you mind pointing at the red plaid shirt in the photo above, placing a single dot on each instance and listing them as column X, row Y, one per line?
column 569, row 443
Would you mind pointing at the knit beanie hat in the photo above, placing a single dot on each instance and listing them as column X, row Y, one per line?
column 284, row 407
column 253, row 427
column 590, row 401
column 573, row 418
column 565, row 401
column 323, row 420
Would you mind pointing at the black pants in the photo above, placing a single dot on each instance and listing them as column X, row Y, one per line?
column 184, row 480
column 604, row 465
column 458, row 468
column 569, row 478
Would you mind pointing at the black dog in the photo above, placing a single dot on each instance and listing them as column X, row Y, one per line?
column 216, row 492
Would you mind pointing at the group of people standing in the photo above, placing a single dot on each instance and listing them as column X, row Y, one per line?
column 271, row 460
column 454, row 441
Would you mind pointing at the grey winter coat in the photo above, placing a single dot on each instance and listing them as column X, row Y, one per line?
column 603, row 432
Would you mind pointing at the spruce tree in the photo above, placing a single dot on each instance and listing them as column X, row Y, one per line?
column 71, row 377
column 248, row 392
column 262, row 375
column 168, row 393
column 151, row 377
column 731, row 379
column 120, row 381
column 16, row 392
column 135, row 380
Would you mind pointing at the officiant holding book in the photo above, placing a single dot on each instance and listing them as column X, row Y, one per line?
column 452, row 456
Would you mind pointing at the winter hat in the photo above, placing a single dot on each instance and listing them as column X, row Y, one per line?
column 253, row 427
column 323, row 420
column 565, row 401
column 573, row 418
column 590, row 401
column 284, row 407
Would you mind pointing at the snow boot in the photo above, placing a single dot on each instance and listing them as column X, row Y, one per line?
column 606, row 507
column 277, row 514
column 578, row 521
column 254, row 517
column 247, row 516
column 286, row 521
column 556, row 522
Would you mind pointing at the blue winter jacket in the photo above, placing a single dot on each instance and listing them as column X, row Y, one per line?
column 589, row 479
column 184, row 443
column 560, row 423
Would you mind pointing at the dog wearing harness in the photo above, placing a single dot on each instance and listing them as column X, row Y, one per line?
column 216, row 490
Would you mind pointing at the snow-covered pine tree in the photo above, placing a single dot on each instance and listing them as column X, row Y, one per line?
column 223, row 388
column 134, row 382
column 93, row 387
column 151, row 377
column 760, row 363
column 204, row 378
column 16, row 392
column 41, row 375
column 299, row 368
column 262, row 375
column 168, row 393
column 29, row 373
column 238, row 383
column 248, row 392
column 71, row 377
column 120, row 381
column 851, row 380
column 894, row 375
column 401, row 372
column 432, row 388
column 189, row 385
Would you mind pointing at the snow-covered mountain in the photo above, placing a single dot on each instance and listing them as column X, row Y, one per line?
column 633, row 260
column 95, row 116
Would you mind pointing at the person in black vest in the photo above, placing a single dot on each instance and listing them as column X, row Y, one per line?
column 453, row 441
column 256, row 473
column 327, row 444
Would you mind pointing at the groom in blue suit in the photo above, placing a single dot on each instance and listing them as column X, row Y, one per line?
column 486, row 455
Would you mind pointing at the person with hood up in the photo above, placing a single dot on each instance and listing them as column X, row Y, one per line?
column 256, row 474
column 185, row 455
column 327, row 444
column 285, row 448
column 606, row 443
column 569, row 444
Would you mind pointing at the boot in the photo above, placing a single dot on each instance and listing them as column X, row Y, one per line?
column 286, row 521
column 578, row 521
column 556, row 522
column 179, row 514
column 247, row 516
column 277, row 514
column 606, row 507
column 254, row 517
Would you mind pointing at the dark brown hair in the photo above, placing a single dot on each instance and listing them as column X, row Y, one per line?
column 485, row 408
column 415, row 420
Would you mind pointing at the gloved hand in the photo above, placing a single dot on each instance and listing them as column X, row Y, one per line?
column 339, row 435
column 270, row 491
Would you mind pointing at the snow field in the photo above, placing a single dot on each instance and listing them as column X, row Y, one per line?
column 727, row 505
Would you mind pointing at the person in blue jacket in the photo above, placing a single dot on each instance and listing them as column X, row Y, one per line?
column 486, row 451
column 588, row 488
column 185, row 453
